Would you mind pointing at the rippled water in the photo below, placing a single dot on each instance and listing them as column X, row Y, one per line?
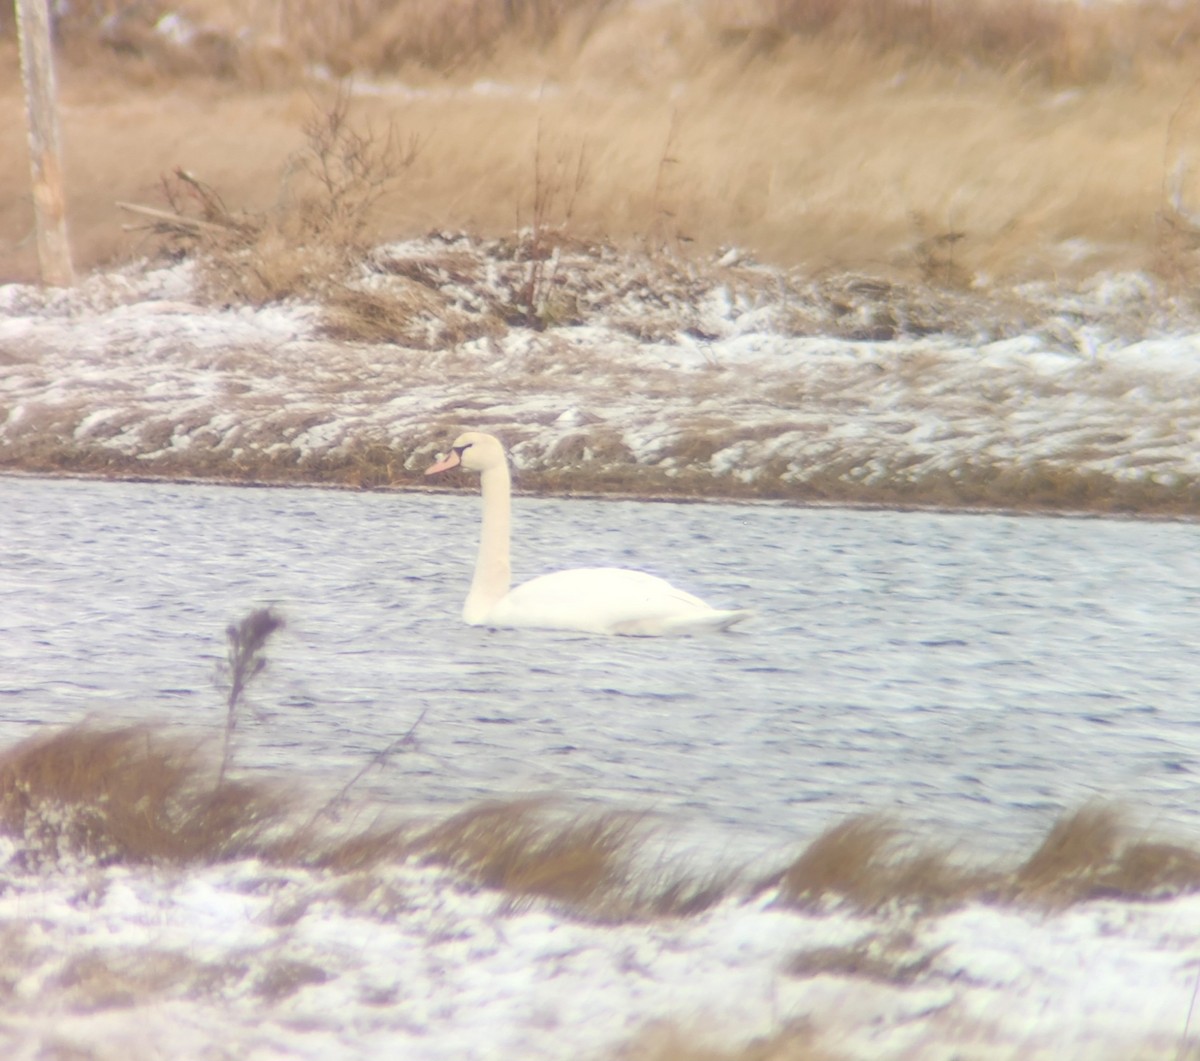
column 975, row 674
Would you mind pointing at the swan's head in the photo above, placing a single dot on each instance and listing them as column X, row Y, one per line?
column 473, row 450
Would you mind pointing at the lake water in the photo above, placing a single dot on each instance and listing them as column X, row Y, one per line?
column 975, row 675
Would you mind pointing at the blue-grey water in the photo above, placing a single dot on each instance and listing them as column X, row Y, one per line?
column 975, row 675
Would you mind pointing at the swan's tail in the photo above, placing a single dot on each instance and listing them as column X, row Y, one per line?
column 699, row 622
column 723, row 620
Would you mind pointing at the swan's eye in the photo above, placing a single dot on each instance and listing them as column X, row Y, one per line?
column 460, row 450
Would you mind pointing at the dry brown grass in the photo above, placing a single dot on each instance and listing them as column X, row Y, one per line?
column 513, row 848
column 406, row 314
column 582, row 863
column 1061, row 43
column 129, row 795
column 266, row 40
column 136, row 796
column 1091, row 855
column 923, row 139
column 867, row 863
column 1058, row 43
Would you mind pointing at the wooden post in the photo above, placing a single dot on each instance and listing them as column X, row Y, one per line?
column 45, row 158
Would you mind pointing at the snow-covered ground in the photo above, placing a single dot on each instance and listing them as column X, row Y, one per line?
column 612, row 371
column 251, row 961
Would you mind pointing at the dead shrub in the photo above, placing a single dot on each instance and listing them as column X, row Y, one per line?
column 309, row 243
column 557, row 181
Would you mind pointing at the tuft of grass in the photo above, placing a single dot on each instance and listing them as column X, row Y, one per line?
column 127, row 795
column 515, row 848
column 405, row 313
column 529, row 851
column 865, row 861
column 1090, row 855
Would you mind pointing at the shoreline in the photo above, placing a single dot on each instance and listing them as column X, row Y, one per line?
column 903, row 508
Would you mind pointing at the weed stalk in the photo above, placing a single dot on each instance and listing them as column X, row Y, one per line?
column 379, row 759
column 247, row 642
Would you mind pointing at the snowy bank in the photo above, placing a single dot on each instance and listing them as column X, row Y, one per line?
column 606, row 371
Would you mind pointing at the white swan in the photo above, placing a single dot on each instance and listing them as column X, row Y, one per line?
column 601, row 600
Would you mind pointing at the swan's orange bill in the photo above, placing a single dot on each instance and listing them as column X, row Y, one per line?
column 451, row 460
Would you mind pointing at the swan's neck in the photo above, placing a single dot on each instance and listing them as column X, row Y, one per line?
column 492, row 573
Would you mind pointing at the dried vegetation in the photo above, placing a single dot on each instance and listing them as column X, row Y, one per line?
column 136, row 795
column 870, row 864
column 1059, row 44
column 942, row 139
column 1056, row 43
column 127, row 796
column 310, row 241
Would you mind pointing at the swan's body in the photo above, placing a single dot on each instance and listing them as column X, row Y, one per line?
column 600, row 600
